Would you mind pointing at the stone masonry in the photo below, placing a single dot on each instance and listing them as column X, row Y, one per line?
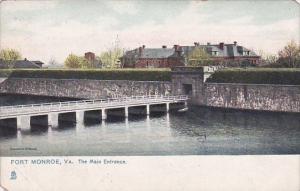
column 263, row 97
column 185, row 80
column 86, row 89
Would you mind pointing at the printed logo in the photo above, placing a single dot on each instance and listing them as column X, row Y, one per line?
column 13, row 175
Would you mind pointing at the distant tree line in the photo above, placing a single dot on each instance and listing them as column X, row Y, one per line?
column 288, row 57
column 107, row 59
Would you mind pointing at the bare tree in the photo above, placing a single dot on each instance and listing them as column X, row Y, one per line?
column 52, row 62
column 290, row 55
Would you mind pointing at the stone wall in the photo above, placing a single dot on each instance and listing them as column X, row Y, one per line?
column 87, row 89
column 264, row 97
column 252, row 96
column 237, row 96
column 189, row 81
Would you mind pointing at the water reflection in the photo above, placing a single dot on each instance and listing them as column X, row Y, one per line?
column 126, row 123
column 103, row 127
column 168, row 120
column 19, row 136
column 199, row 131
column 38, row 129
column 8, row 132
column 148, row 123
column 66, row 125
column 50, row 133
column 80, row 127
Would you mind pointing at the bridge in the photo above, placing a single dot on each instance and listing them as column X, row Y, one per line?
column 52, row 110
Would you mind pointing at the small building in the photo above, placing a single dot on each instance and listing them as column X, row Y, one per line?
column 20, row 64
column 143, row 57
column 91, row 58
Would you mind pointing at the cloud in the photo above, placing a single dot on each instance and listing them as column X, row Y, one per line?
column 44, row 40
column 14, row 6
column 193, row 25
column 123, row 7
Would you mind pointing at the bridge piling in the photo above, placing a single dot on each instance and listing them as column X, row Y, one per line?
column 79, row 116
column 148, row 109
column 167, row 107
column 53, row 119
column 103, row 114
column 23, row 123
column 126, row 111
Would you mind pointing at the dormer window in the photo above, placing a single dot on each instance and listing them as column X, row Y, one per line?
column 246, row 53
column 214, row 53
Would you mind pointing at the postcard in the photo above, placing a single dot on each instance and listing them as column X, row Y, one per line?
column 149, row 95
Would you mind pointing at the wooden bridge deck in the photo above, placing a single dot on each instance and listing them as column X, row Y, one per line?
column 86, row 105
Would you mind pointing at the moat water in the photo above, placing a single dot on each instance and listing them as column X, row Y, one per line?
column 200, row 131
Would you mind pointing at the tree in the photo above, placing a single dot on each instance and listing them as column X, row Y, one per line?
column 10, row 56
column 52, row 62
column 73, row 61
column 84, row 63
column 289, row 56
column 111, row 58
column 268, row 59
column 199, row 57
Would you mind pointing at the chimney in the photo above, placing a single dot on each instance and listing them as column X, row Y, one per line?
column 176, row 47
column 235, row 43
column 164, row 46
column 140, row 50
column 25, row 59
column 90, row 56
column 221, row 45
column 144, row 46
column 196, row 43
column 208, row 43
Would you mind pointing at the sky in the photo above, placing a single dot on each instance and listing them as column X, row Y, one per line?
column 44, row 30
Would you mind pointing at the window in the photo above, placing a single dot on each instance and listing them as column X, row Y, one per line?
column 246, row 53
column 214, row 53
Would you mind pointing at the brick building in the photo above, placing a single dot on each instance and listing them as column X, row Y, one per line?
column 91, row 58
column 225, row 54
column 143, row 57
column 220, row 54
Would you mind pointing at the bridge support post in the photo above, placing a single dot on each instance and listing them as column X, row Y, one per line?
column 148, row 109
column 79, row 116
column 185, row 104
column 167, row 107
column 23, row 123
column 53, row 119
column 126, row 123
column 103, row 114
column 126, row 111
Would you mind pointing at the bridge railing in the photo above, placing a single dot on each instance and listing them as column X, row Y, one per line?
column 80, row 103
